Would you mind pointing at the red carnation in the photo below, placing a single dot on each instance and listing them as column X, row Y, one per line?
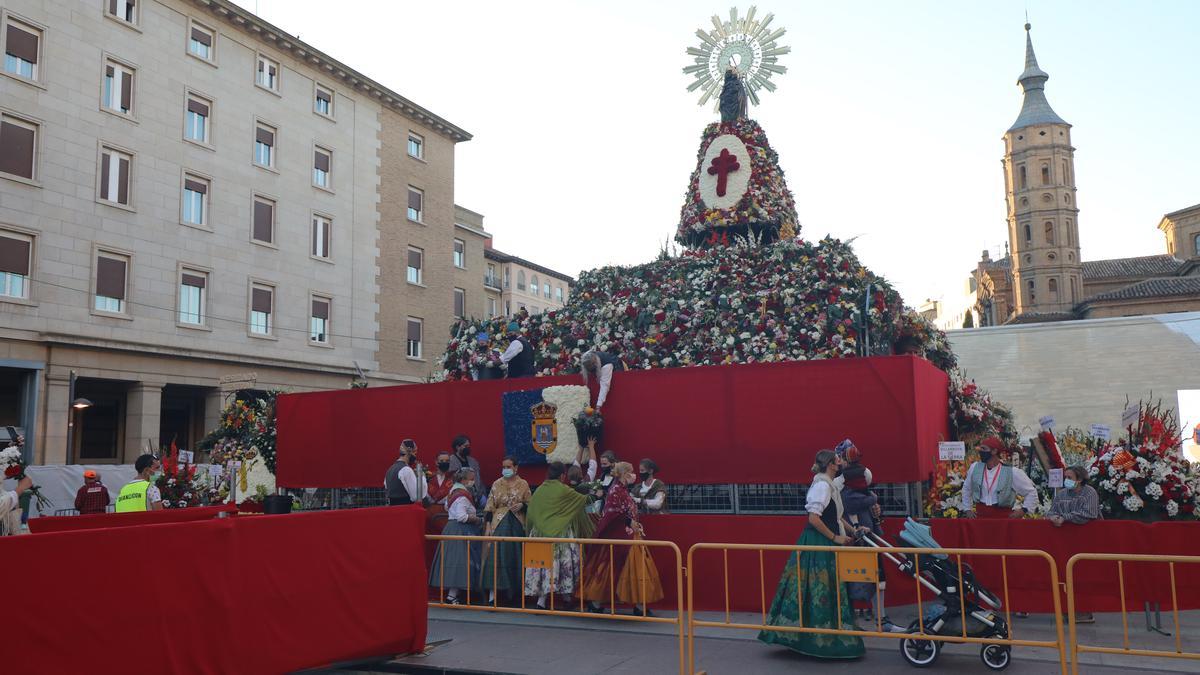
column 631, row 311
column 12, row 471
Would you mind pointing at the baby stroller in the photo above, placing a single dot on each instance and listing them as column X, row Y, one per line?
column 939, row 575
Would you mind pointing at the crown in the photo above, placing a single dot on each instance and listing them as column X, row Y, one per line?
column 543, row 410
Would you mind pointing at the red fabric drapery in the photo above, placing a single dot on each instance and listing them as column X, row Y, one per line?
column 757, row 423
column 257, row 594
column 99, row 520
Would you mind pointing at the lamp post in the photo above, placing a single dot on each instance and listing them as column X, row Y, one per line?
column 76, row 404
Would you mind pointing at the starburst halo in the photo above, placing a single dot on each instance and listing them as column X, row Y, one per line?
column 748, row 44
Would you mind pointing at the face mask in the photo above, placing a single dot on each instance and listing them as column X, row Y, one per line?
column 605, row 469
column 1069, row 484
column 466, row 451
column 645, row 475
column 508, row 473
column 985, row 456
column 443, row 466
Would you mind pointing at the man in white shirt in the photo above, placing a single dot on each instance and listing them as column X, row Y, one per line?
column 401, row 481
column 519, row 355
column 990, row 487
column 602, row 365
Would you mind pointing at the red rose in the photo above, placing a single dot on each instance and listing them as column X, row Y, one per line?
column 12, row 471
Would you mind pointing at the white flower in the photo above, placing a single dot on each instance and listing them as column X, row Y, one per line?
column 1154, row 490
column 1133, row 503
column 1172, row 508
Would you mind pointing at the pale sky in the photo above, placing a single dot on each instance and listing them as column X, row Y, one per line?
column 888, row 122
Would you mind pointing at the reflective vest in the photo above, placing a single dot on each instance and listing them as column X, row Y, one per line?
column 133, row 497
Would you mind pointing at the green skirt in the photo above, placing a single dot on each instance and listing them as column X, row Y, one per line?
column 505, row 573
column 812, row 581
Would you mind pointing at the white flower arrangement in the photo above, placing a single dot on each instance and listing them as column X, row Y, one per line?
column 570, row 399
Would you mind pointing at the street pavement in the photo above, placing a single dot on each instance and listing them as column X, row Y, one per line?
column 486, row 642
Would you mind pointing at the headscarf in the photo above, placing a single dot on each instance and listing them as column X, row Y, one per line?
column 556, row 509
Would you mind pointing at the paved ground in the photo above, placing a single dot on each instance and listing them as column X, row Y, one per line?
column 485, row 642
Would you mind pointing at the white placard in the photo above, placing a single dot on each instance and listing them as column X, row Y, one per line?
column 1101, row 431
column 950, row 451
column 1047, row 422
column 1130, row 416
column 186, row 456
column 215, row 470
column 1056, row 478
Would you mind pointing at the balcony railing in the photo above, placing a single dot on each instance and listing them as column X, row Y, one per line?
column 491, row 281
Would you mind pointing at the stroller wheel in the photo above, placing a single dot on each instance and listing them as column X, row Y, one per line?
column 920, row 653
column 996, row 657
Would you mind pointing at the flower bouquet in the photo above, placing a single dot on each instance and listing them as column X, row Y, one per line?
column 14, row 467
column 177, row 481
column 588, row 424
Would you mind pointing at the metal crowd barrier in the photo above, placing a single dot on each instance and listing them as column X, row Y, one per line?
column 1058, row 644
column 1120, row 560
column 495, row 606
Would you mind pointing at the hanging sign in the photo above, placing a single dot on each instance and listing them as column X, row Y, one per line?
column 952, row 451
column 1130, row 416
column 1101, row 431
column 186, row 456
column 1056, row 478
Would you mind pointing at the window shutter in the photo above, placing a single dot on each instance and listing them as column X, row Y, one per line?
column 127, row 90
column 109, row 71
column 414, row 259
column 316, row 224
column 327, row 232
column 195, row 186
column 110, row 278
column 123, row 181
column 323, row 96
column 321, row 161
column 14, row 256
column 260, row 300
column 262, row 220
column 320, row 309
column 22, row 44
column 112, row 7
column 271, row 70
column 414, row 330
column 202, row 37
column 414, row 200
column 16, row 150
column 264, row 136
column 193, row 280
column 197, row 107
column 460, row 300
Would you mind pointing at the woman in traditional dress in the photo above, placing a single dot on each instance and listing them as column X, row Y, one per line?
column 556, row 511
column 456, row 563
column 603, row 564
column 812, row 576
column 649, row 493
column 505, row 518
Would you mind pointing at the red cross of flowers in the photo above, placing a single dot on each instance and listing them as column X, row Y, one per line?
column 723, row 165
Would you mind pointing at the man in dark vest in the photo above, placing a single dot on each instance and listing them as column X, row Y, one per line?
column 602, row 365
column 519, row 355
column 402, row 482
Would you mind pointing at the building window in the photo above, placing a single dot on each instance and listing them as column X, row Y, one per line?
column 460, row 303
column 318, row 323
column 491, row 307
column 489, row 279
column 558, row 293
column 507, row 308
column 1028, row 233
column 22, row 45
column 195, row 200
column 267, row 75
column 195, row 119
column 264, row 145
column 533, row 285
column 1073, row 291
column 18, row 140
column 1021, row 172
column 520, row 280
column 546, row 289
column 1032, row 294
column 416, row 204
column 1045, row 174
column 114, row 176
column 200, row 42
column 124, row 10
column 506, row 277
column 323, row 101
column 1070, row 235
column 1066, row 178
column 261, row 305
column 111, row 285
column 263, row 229
column 322, row 228
column 118, row 88
column 191, row 297
column 416, row 146
column 1049, row 227
column 322, row 161
column 414, row 338
column 16, row 256
column 460, row 254
column 416, row 260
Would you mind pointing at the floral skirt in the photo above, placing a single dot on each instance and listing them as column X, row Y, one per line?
column 639, row 583
column 502, row 560
column 811, row 580
column 451, row 567
column 561, row 576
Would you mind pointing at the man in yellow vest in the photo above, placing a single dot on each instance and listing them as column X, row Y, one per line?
column 141, row 494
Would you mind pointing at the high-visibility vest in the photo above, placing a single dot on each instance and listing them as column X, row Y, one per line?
column 133, row 497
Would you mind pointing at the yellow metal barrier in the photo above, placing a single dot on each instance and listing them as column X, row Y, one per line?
column 1120, row 559
column 531, row 551
column 1058, row 644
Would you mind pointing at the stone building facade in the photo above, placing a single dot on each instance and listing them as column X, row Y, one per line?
column 191, row 196
column 526, row 285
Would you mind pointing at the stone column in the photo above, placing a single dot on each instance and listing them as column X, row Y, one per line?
column 53, row 439
column 214, row 403
column 143, row 413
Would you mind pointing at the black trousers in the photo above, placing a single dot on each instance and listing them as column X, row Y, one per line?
column 399, row 501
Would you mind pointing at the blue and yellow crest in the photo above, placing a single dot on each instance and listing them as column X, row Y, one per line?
column 544, row 429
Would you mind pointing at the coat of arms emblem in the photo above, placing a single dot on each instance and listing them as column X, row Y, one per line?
column 544, row 428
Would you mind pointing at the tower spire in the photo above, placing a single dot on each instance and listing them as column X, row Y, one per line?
column 1035, row 109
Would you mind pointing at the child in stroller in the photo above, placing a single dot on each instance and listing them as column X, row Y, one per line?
column 977, row 609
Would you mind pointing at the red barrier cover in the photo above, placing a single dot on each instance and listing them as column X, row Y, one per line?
column 98, row 520
column 756, row 423
column 258, row 594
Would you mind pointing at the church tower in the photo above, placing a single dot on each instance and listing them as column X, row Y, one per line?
column 1043, row 224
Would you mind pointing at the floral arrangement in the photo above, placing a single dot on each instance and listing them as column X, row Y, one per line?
column 766, row 208
column 247, row 425
column 975, row 416
column 14, row 467
column 1146, row 477
column 589, row 424
column 177, row 482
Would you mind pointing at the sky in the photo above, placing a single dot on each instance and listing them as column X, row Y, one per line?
column 888, row 122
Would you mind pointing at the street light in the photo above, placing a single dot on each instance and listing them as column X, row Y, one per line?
column 81, row 403
column 76, row 404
